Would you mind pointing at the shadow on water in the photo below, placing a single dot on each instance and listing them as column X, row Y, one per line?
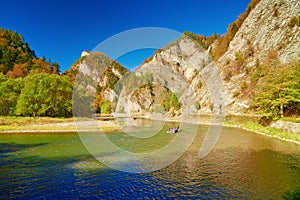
column 13, row 147
column 39, row 177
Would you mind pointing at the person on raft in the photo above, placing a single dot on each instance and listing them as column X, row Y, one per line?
column 174, row 130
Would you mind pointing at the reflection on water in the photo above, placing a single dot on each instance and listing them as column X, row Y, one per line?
column 243, row 165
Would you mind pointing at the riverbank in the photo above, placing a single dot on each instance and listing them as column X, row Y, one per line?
column 261, row 125
column 254, row 123
column 46, row 125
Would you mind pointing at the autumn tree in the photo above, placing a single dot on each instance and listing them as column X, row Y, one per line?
column 17, row 59
column 13, row 50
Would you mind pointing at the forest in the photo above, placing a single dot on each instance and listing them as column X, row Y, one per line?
column 31, row 86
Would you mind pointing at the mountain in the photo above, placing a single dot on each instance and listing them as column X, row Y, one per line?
column 254, row 67
column 99, row 74
column 173, row 68
column 208, row 76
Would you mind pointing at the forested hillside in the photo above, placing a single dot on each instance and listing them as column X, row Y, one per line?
column 17, row 59
column 30, row 86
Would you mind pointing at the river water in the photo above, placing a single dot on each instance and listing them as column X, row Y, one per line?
column 243, row 165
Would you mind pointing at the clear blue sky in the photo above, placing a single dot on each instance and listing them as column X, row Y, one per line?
column 61, row 29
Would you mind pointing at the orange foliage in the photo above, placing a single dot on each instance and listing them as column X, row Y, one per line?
column 18, row 71
column 41, row 64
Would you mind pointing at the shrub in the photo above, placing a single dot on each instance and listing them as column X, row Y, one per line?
column 295, row 21
column 105, row 107
column 198, row 105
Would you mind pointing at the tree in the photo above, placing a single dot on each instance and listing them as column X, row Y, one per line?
column 19, row 70
column 278, row 92
column 13, row 50
column 45, row 95
column 10, row 90
column 171, row 101
column 105, row 108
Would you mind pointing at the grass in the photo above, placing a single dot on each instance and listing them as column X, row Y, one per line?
column 12, row 123
column 21, row 121
column 272, row 131
column 253, row 123
column 37, row 128
column 290, row 119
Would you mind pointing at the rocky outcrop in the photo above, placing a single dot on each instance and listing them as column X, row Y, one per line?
column 98, row 74
column 85, row 53
column 174, row 68
column 267, row 28
column 290, row 127
column 266, row 31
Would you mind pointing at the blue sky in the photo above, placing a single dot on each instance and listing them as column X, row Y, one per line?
column 60, row 29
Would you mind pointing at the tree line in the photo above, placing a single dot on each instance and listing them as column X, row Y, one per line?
column 38, row 94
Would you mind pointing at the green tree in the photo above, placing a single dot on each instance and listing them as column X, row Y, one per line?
column 10, row 90
column 105, row 107
column 278, row 92
column 171, row 101
column 45, row 95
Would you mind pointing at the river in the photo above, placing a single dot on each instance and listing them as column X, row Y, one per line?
column 243, row 165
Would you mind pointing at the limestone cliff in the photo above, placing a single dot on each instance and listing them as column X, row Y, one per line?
column 188, row 70
column 202, row 83
column 268, row 30
column 98, row 74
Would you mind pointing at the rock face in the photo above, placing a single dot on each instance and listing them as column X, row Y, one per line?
column 187, row 69
column 266, row 30
column 85, row 53
column 98, row 74
column 184, row 68
column 173, row 68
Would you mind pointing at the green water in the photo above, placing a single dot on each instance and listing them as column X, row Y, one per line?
column 243, row 165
